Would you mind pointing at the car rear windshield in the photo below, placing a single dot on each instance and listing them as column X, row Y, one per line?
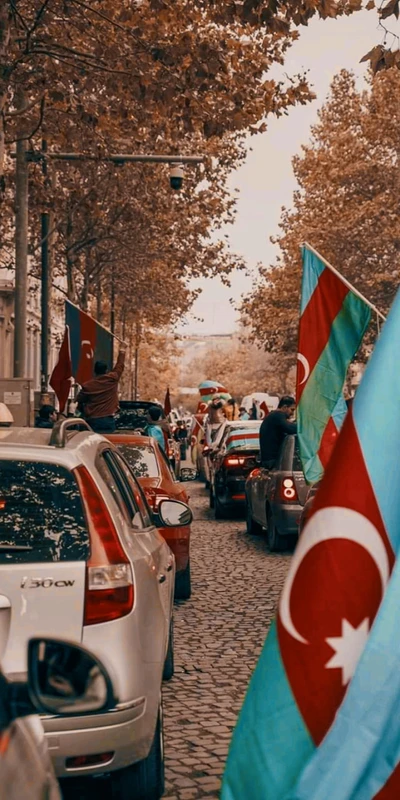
column 41, row 514
column 141, row 459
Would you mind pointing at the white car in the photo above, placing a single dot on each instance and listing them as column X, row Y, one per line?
column 80, row 558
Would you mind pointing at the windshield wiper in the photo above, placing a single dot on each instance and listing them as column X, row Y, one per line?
column 15, row 547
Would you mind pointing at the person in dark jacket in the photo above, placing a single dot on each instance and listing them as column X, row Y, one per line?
column 98, row 398
column 47, row 417
column 273, row 430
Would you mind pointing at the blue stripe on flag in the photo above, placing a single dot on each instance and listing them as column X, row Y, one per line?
column 361, row 750
column 312, row 269
column 376, row 413
column 264, row 759
column 72, row 319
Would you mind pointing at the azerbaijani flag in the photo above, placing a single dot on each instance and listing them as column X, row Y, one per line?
column 333, row 321
column 321, row 719
column 210, row 389
column 89, row 341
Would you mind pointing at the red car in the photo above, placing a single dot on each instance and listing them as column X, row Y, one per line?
column 151, row 467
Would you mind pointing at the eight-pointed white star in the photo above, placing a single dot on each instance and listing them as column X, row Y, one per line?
column 348, row 648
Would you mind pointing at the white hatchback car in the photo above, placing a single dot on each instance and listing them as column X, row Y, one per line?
column 80, row 558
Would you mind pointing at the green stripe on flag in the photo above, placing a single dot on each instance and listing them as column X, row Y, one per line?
column 326, row 381
column 271, row 743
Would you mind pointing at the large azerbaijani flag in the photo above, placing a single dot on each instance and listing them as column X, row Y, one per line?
column 90, row 342
column 333, row 321
column 321, row 719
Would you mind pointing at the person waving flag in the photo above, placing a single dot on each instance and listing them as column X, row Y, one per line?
column 321, row 719
column 333, row 320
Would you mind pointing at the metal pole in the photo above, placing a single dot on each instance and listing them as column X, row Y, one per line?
column 21, row 260
column 45, row 304
column 344, row 280
column 136, row 369
column 119, row 158
column 112, row 314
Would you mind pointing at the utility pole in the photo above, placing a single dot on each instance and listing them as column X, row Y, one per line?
column 112, row 309
column 44, row 339
column 137, row 344
column 21, row 258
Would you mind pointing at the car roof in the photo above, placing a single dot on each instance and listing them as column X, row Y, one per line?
column 246, row 423
column 130, row 438
column 35, row 436
column 48, row 444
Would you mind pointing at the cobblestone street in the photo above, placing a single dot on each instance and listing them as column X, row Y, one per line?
column 218, row 637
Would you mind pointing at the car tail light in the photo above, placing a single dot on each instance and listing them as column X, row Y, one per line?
column 109, row 582
column 288, row 491
column 234, row 461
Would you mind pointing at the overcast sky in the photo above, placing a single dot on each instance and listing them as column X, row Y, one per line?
column 266, row 181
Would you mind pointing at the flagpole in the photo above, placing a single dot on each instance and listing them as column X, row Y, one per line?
column 344, row 280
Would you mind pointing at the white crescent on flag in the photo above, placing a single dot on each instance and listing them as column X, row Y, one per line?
column 306, row 366
column 325, row 525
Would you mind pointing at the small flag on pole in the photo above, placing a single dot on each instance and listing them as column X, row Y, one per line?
column 167, row 403
column 333, row 321
column 328, row 678
column 61, row 376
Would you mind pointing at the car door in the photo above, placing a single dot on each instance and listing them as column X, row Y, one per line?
column 143, row 526
column 261, row 489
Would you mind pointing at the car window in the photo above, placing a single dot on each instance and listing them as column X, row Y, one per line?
column 40, row 510
column 127, row 486
column 285, row 458
column 297, row 465
column 110, row 474
column 141, row 459
column 135, row 489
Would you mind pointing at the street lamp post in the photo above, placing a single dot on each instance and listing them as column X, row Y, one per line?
column 24, row 156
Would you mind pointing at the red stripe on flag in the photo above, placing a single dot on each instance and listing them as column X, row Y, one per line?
column 243, row 435
column 60, row 379
column 316, row 321
column 391, row 789
column 328, row 442
column 337, row 580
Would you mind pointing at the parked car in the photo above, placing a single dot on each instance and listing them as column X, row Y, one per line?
column 153, row 471
column 81, row 558
column 308, row 506
column 62, row 679
column 231, row 460
column 132, row 416
column 275, row 498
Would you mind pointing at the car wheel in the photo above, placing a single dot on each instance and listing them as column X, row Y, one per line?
column 183, row 585
column 144, row 780
column 252, row 527
column 212, row 501
column 276, row 542
column 168, row 672
column 219, row 512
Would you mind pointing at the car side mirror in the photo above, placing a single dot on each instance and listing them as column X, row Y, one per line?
column 174, row 514
column 65, row 678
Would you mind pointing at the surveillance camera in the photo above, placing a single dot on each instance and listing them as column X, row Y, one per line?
column 176, row 176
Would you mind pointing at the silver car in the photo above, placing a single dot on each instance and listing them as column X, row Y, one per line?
column 81, row 558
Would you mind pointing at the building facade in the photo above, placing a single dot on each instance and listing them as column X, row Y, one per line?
column 33, row 337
